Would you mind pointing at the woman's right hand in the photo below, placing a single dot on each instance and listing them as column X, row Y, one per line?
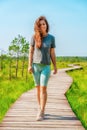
column 30, row 70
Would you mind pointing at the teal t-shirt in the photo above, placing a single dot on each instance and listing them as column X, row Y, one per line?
column 42, row 55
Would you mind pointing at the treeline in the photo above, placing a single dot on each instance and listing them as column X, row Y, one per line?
column 71, row 59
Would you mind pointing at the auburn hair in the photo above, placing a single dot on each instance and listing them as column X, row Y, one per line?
column 38, row 35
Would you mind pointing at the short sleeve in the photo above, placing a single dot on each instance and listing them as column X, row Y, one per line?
column 32, row 42
column 53, row 42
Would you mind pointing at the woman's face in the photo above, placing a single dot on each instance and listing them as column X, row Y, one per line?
column 43, row 26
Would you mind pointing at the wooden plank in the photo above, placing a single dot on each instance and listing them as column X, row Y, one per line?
column 28, row 128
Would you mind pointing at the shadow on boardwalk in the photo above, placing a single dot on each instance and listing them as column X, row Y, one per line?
column 58, row 116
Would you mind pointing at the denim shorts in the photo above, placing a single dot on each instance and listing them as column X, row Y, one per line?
column 41, row 74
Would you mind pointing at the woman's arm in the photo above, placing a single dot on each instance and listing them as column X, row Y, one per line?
column 53, row 58
column 31, row 51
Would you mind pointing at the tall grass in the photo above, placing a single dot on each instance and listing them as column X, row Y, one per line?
column 11, row 90
column 77, row 94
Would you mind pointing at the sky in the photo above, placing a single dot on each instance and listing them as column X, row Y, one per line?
column 67, row 20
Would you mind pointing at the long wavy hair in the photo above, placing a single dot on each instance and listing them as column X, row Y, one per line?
column 38, row 35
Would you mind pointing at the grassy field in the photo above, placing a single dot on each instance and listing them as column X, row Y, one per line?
column 11, row 90
column 77, row 94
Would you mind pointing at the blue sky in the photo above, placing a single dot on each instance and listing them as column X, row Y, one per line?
column 67, row 20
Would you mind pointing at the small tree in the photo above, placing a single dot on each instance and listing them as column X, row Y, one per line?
column 25, row 51
column 19, row 48
column 10, row 63
column 1, row 59
column 15, row 50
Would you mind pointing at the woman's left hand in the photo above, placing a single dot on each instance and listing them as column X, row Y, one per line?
column 55, row 71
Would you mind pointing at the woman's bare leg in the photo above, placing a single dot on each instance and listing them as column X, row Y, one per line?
column 38, row 95
column 43, row 98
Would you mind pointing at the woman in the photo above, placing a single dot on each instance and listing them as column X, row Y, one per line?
column 41, row 54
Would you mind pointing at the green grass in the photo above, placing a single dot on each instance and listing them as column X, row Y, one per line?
column 77, row 94
column 61, row 64
column 10, row 91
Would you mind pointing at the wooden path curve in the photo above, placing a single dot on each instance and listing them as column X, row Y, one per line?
column 58, row 115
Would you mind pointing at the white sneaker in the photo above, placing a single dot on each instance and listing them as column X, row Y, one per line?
column 40, row 116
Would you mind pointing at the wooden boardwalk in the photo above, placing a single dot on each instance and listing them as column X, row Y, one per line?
column 58, row 115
